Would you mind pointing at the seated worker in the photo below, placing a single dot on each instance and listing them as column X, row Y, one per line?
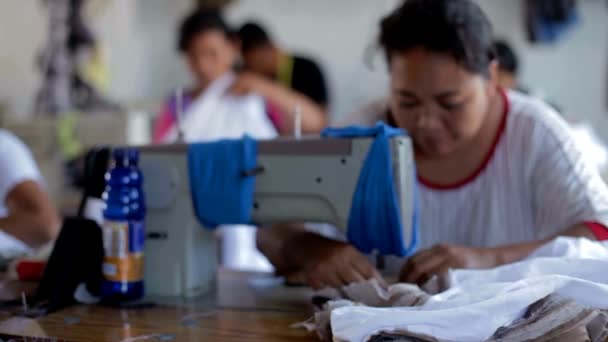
column 498, row 172
column 206, row 42
column 27, row 217
column 300, row 74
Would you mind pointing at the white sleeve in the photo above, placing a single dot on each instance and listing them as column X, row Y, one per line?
column 17, row 165
column 567, row 189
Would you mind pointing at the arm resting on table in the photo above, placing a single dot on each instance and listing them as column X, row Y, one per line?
column 31, row 216
column 516, row 252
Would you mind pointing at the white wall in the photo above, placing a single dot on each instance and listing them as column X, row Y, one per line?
column 140, row 37
column 572, row 73
column 21, row 36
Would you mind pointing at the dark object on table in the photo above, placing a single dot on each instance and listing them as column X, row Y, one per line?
column 76, row 259
column 12, row 338
column 95, row 165
column 319, row 301
column 396, row 338
column 213, row 4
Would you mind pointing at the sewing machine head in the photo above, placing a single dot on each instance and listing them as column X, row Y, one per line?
column 310, row 180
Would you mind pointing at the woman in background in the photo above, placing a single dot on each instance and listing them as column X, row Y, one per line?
column 207, row 43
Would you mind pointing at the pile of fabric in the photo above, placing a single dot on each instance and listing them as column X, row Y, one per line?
column 560, row 293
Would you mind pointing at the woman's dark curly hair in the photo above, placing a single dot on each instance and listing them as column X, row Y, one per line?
column 458, row 28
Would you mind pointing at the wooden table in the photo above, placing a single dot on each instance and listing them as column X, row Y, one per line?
column 245, row 307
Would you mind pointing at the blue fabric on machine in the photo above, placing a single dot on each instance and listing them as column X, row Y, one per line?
column 221, row 193
column 375, row 222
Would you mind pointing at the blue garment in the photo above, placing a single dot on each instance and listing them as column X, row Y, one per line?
column 548, row 20
column 374, row 223
column 221, row 193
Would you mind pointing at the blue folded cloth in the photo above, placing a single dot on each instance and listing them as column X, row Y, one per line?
column 374, row 223
column 221, row 193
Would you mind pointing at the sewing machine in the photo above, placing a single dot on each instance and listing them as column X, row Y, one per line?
column 308, row 180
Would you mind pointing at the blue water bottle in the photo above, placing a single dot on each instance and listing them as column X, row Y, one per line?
column 123, row 264
column 137, row 216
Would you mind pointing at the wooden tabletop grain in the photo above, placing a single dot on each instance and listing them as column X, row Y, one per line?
column 245, row 307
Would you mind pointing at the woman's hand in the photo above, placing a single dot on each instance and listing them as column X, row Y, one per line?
column 337, row 264
column 299, row 254
column 313, row 116
column 439, row 259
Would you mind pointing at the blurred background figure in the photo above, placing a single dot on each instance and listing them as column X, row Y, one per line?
column 72, row 70
column 207, row 44
column 508, row 65
column 290, row 84
column 262, row 55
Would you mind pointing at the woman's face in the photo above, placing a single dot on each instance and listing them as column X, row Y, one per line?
column 210, row 55
column 442, row 105
column 262, row 60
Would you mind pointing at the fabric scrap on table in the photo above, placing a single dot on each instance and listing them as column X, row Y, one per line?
column 370, row 293
column 557, row 294
column 553, row 318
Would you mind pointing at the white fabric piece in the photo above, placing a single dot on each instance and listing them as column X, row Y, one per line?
column 495, row 297
column 536, row 184
column 17, row 165
column 562, row 256
column 239, row 250
column 82, row 295
column 572, row 248
column 216, row 114
column 93, row 209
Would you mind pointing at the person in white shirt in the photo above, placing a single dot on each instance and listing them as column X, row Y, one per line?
column 499, row 172
column 27, row 217
column 225, row 103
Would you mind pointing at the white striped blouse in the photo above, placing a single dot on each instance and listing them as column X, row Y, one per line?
column 534, row 184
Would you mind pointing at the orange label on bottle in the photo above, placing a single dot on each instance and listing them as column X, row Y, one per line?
column 129, row 269
column 119, row 263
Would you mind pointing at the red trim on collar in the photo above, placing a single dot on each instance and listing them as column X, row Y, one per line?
column 599, row 230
